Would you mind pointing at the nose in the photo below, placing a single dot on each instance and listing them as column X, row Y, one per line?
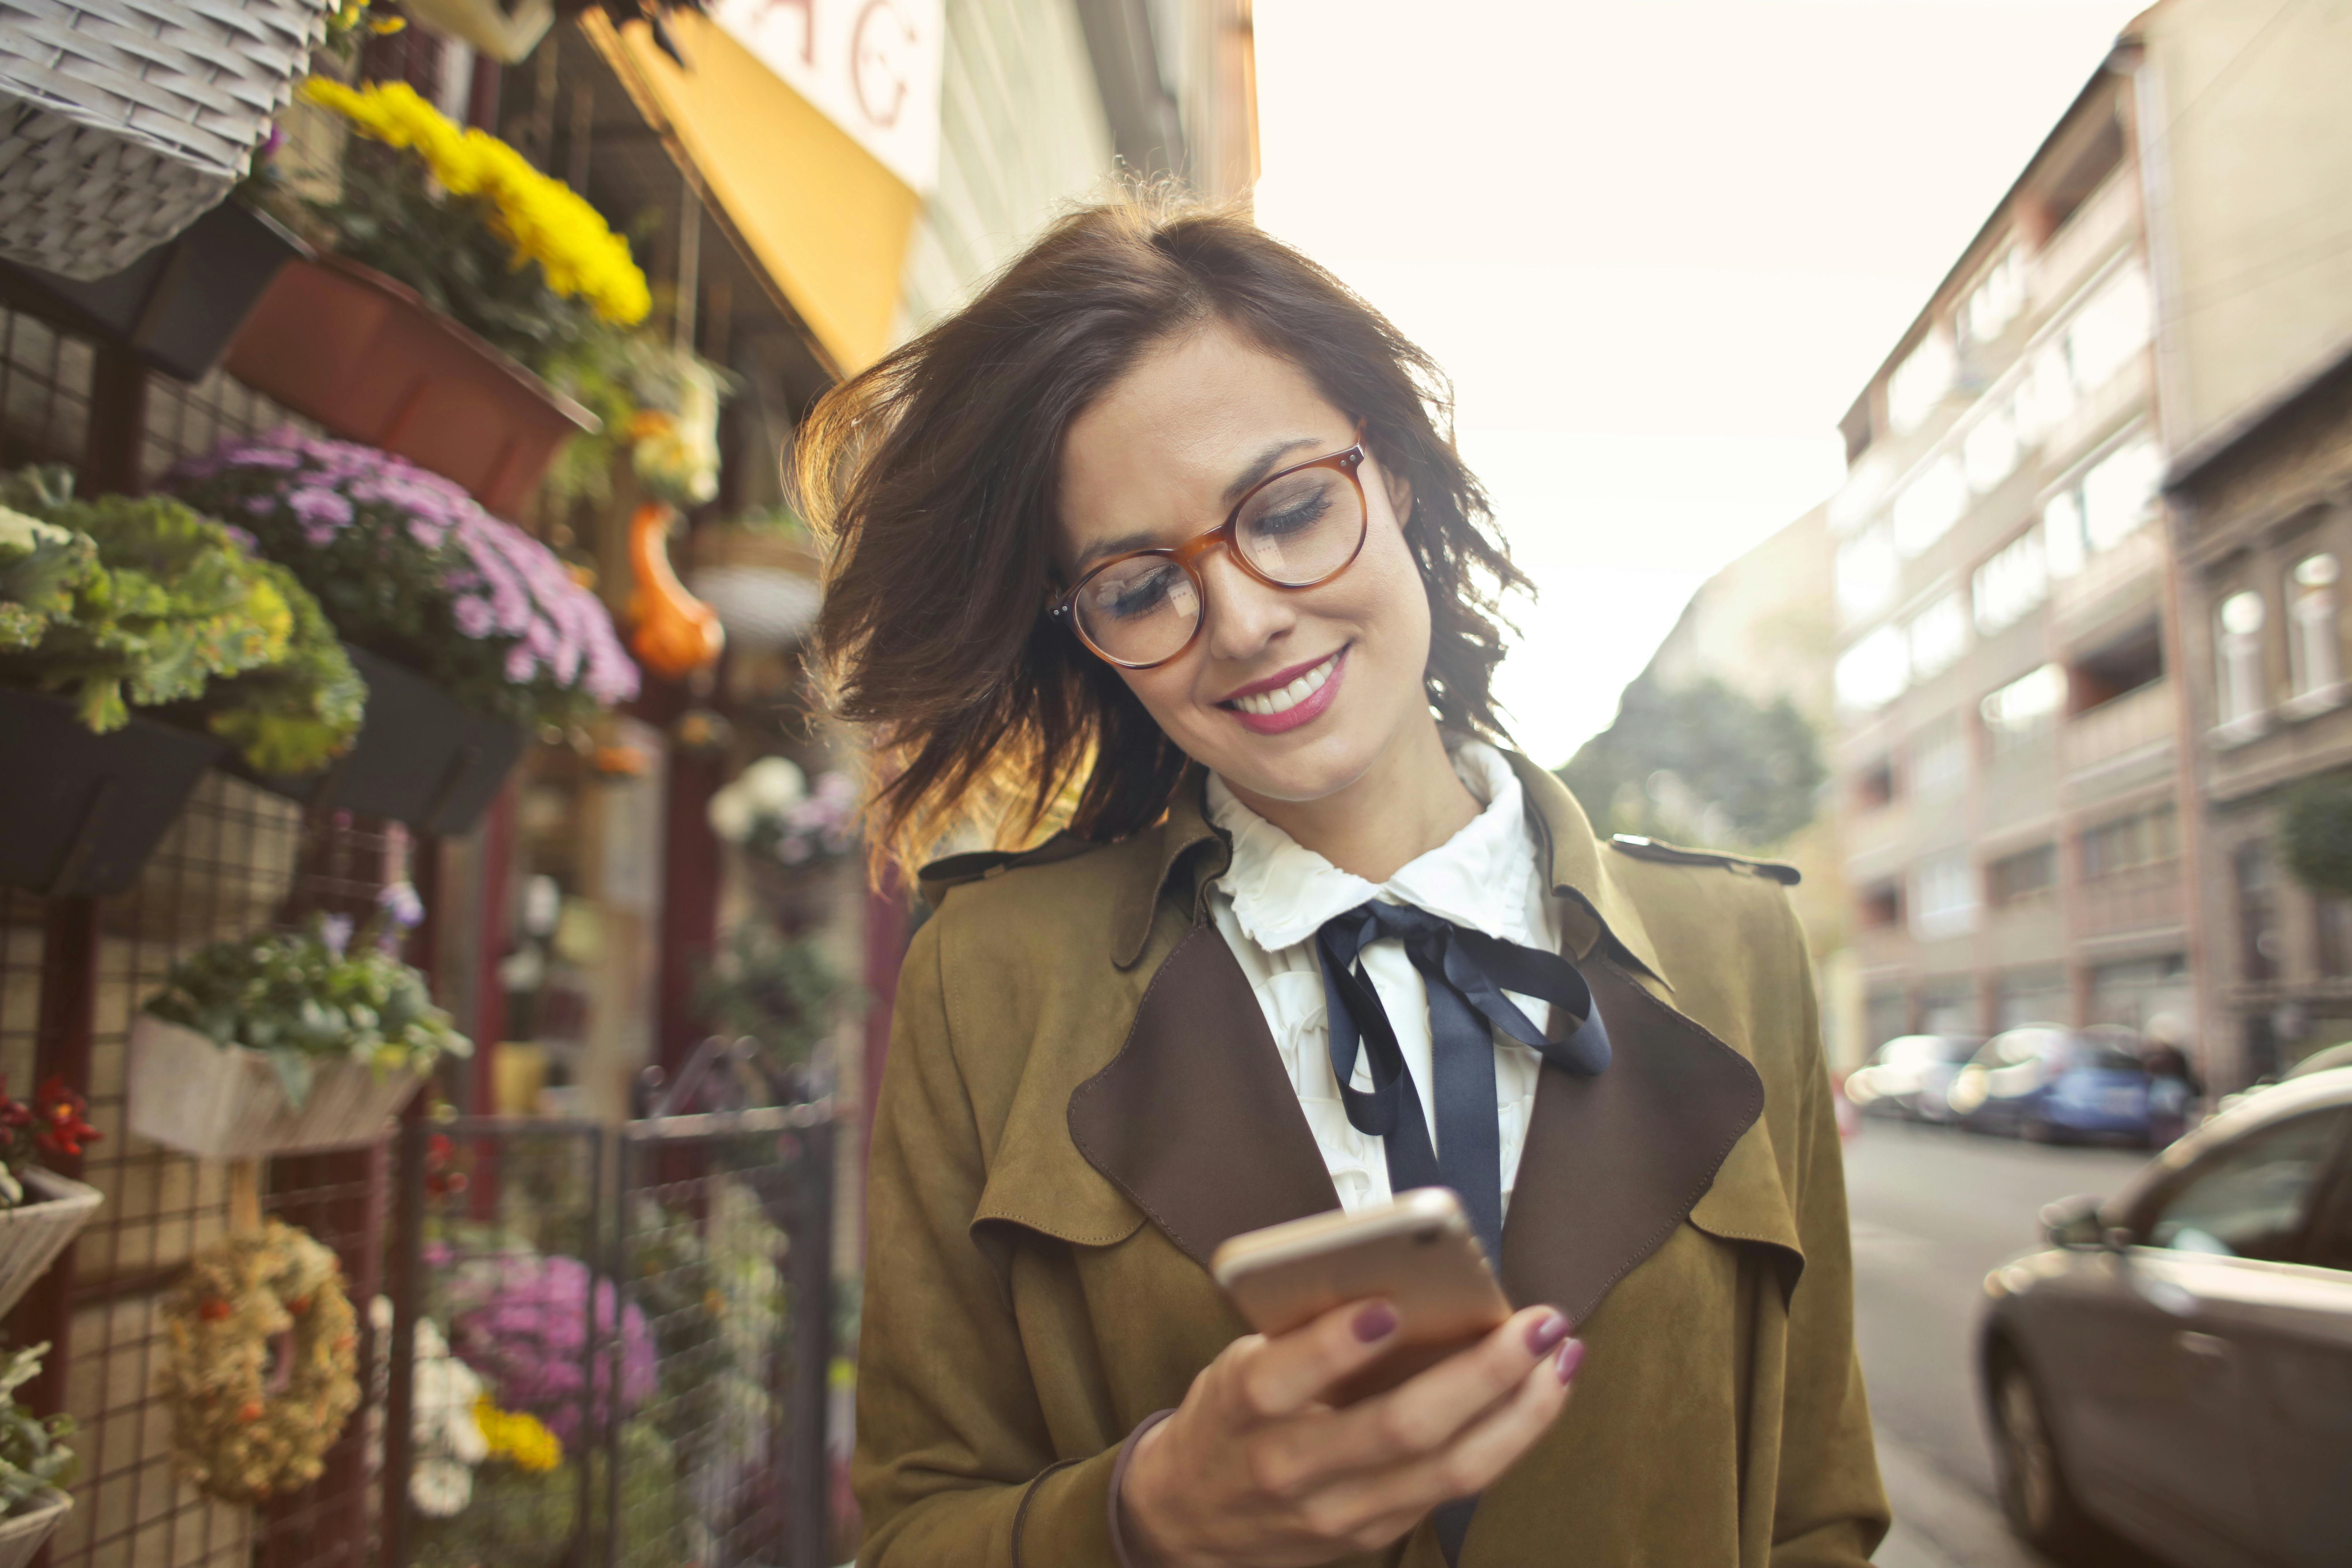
column 1243, row 614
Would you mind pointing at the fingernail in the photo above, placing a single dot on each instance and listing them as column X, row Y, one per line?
column 1545, row 1332
column 1377, row 1322
column 1570, row 1357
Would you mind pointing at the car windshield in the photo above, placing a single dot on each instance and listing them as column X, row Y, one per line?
column 2093, row 1056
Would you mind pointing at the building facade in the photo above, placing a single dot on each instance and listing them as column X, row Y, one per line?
column 2007, row 774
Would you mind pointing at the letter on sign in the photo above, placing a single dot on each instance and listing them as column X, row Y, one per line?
column 871, row 67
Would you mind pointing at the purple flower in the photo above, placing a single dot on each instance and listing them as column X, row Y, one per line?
column 521, row 1322
column 312, row 504
column 401, row 906
column 520, row 666
column 335, row 931
column 473, row 617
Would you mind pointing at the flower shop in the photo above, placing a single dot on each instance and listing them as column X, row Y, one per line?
column 432, row 942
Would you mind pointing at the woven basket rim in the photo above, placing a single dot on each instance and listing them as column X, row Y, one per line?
column 65, row 1191
column 47, row 1501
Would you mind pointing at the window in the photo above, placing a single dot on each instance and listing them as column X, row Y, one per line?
column 2253, row 1198
column 2123, row 663
column 2259, row 942
column 2144, row 839
column 1995, row 300
column 2238, row 648
column 1873, row 672
column 1989, row 452
column 2027, row 874
column 2109, row 332
column 1866, row 573
column 2025, row 708
column 1874, row 786
column 1943, row 896
column 1928, row 506
column 1939, row 758
column 1881, row 906
column 2117, row 492
column 1937, row 636
column 1919, row 383
column 2012, row 585
column 2312, row 661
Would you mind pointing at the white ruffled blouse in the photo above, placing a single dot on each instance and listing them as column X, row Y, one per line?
column 1277, row 893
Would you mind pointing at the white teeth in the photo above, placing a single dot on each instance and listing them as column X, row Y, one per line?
column 1266, row 704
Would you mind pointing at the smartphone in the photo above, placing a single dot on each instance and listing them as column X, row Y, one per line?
column 1416, row 1251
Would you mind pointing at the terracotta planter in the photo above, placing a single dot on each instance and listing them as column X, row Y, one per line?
column 190, row 1094
column 363, row 355
column 36, row 1231
column 178, row 306
column 421, row 757
column 84, row 818
column 23, row 1534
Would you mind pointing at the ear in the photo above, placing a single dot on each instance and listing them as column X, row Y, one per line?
column 1400, row 491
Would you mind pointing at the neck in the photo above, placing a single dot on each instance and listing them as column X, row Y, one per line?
column 1406, row 804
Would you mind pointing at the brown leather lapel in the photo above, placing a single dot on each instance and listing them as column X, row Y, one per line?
column 1614, row 1163
column 1195, row 1120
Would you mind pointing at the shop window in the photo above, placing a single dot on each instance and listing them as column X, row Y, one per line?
column 1943, row 896
column 1937, row 636
column 2025, row 709
column 1874, row 786
column 2239, row 690
column 2030, row 874
column 1939, row 758
column 2128, row 843
column 1881, row 906
column 2313, row 666
column 1948, row 1008
column 2120, row 667
column 2011, row 585
column 2259, row 940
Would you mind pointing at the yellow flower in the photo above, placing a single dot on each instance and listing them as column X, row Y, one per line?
column 516, row 1436
column 538, row 218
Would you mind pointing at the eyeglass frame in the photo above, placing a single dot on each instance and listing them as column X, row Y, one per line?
column 1346, row 462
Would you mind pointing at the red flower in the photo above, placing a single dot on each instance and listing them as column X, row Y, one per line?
column 61, row 1112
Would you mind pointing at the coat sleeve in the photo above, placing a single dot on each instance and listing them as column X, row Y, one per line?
column 954, row 1465
column 1831, row 1510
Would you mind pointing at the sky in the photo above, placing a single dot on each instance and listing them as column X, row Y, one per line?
column 1660, row 247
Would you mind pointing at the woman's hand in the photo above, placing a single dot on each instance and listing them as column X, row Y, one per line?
column 1254, row 1470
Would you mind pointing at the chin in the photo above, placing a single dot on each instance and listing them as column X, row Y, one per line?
column 1289, row 767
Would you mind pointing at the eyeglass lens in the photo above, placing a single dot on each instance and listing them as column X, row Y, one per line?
column 1295, row 531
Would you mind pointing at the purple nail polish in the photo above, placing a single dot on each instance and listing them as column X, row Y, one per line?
column 1377, row 1322
column 1545, row 1332
column 1570, row 1357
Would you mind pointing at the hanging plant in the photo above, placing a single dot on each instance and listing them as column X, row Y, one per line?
column 407, row 564
column 2314, row 834
column 34, row 1458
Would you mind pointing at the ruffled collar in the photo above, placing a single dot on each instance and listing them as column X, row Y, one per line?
column 1480, row 878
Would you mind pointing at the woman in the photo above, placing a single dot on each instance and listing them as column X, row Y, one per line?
column 1222, row 998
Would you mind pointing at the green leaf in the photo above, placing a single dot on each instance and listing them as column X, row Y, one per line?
column 296, row 1072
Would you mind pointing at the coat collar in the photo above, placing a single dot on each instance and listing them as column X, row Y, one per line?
column 1192, row 853
column 1196, row 1122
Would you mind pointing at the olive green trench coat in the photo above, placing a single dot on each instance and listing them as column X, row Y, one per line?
column 1082, row 1099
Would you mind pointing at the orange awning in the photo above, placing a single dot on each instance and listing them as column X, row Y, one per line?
column 819, row 214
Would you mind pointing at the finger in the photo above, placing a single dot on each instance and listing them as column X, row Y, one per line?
column 1484, row 1449
column 1426, row 1411
column 1286, row 1374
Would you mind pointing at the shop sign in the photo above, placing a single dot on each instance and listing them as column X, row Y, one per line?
column 871, row 67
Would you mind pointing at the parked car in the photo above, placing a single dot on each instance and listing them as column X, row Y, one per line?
column 2175, row 1367
column 1908, row 1075
column 2047, row 1082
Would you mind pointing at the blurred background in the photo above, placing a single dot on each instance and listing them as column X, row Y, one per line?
column 1928, row 424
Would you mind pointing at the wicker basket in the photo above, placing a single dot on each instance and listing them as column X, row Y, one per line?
column 189, row 1094
column 122, row 121
column 34, row 1232
column 23, row 1534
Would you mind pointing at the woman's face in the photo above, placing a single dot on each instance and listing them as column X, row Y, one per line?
column 1289, row 695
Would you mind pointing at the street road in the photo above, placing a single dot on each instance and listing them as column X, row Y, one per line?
column 1935, row 1210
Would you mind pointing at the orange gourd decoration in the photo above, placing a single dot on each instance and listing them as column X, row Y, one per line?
column 677, row 633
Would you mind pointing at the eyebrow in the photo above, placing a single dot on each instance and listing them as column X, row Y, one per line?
column 1261, row 465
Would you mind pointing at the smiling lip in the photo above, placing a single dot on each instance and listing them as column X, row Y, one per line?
column 1305, row 709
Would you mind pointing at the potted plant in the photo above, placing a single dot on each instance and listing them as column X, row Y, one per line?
column 33, row 1463
column 788, row 830
column 470, row 632
column 287, row 1042
column 764, row 985
column 460, row 279
column 40, row 1211
column 117, row 605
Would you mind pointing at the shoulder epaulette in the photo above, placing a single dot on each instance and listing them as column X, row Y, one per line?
column 934, row 879
column 1674, row 855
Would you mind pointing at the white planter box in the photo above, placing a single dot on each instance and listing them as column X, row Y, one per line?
column 23, row 1534
column 190, row 1094
column 34, row 1232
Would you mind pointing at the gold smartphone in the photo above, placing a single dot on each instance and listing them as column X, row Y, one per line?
column 1416, row 1252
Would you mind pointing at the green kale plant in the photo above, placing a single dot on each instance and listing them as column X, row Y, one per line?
column 123, row 603
column 33, row 1455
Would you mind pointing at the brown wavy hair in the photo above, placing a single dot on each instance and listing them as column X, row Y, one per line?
column 932, row 478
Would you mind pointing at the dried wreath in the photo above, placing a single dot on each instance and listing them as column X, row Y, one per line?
column 264, row 1365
